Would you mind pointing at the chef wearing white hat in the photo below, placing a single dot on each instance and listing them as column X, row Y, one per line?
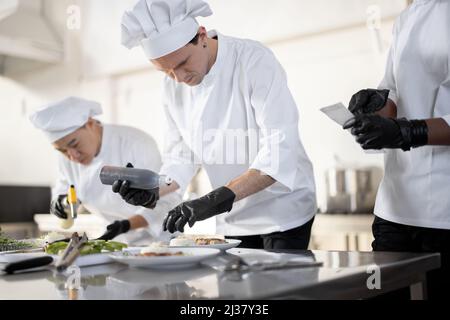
column 230, row 111
column 85, row 146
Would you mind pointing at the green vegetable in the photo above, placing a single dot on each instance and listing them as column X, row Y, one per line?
column 118, row 245
column 56, row 247
column 91, row 247
column 11, row 244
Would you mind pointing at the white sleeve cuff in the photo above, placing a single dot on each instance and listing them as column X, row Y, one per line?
column 180, row 173
column 447, row 118
column 393, row 96
column 285, row 178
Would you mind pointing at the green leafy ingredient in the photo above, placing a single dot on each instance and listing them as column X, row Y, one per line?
column 91, row 247
column 6, row 243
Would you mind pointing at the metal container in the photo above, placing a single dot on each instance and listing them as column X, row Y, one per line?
column 337, row 190
column 352, row 190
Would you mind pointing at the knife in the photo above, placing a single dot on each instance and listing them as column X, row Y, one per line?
column 33, row 263
column 68, row 257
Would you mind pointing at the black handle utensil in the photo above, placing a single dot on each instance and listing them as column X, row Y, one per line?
column 28, row 264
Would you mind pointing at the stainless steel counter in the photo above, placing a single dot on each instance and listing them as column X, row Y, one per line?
column 343, row 275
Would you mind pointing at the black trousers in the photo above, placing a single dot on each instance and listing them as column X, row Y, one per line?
column 391, row 236
column 297, row 238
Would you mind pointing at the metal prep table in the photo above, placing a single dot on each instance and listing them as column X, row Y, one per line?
column 343, row 275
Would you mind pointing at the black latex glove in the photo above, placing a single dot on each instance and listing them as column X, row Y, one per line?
column 376, row 132
column 114, row 229
column 368, row 101
column 57, row 207
column 136, row 197
column 216, row 202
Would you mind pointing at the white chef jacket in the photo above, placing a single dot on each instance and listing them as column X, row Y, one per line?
column 244, row 100
column 416, row 187
column 120, row 145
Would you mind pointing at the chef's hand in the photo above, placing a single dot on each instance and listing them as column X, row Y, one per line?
column 376, row 132
column 136, row 197
column 216, row 202
column 57, row 206
column 368, row 101
column 115, row 229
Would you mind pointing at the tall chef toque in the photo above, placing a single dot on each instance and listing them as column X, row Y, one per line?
column 61, row 118
column 162, row 26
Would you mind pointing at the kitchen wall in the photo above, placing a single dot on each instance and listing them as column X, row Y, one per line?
column 326, row 69
column 326, row 48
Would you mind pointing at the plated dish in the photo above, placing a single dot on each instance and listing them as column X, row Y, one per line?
column 200, row 241
column 163, row 257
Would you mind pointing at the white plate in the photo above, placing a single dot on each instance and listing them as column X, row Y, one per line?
column 231, row 243
column 191, row 257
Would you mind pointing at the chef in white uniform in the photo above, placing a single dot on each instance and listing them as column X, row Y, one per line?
column 230, row 111
column 86, row 145
column 409, row 116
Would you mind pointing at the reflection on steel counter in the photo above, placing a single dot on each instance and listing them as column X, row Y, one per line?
column 343, row 275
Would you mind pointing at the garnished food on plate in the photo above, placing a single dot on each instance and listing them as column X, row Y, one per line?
column 157, row 249
column 197, row 240
column 161, row 254
column 209, row 241
column 182, row 242
column 91, row 247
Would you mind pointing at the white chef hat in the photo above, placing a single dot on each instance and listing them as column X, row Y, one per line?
column 61, row 118
column 162, row 26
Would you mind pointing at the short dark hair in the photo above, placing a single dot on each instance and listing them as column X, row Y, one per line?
column 194, row 40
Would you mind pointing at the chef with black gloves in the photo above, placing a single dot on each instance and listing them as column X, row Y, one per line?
column 409, row 117
column 229, row 111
